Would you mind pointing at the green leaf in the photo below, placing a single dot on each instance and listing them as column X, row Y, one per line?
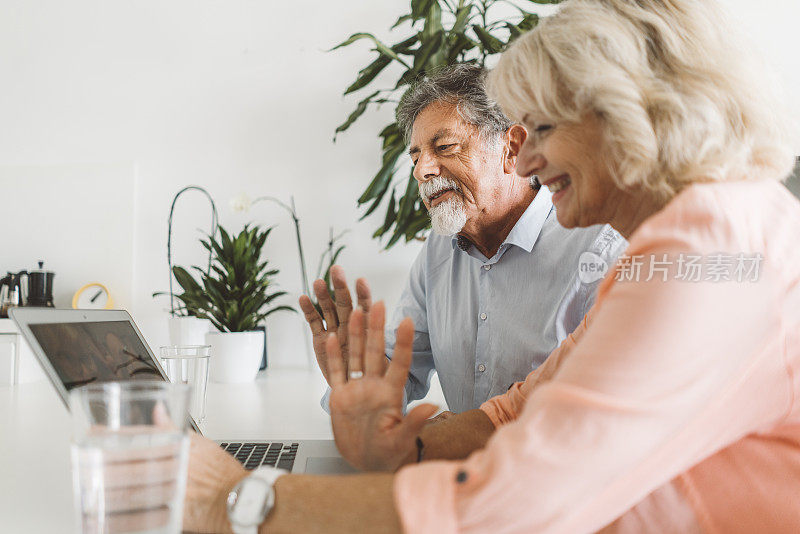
column 391, row 216
column 408, row 77
column 360, row 109
column 529, row 21
column 380, row 183
column 336, row 254
column 400, row 21
column 428, row 47
column 185, row 280
column 391, row 136
column 417, row 225
column 462, row 18
column 399, row 232
column 379, row 46
column 409, row 198
column 404, row 47
column 514, row 31
column 490, row 43
column 433, row 21
column 419, row 8
column 388, row 130
column 375, row 203
column 280, row 308
column 461, row 43
column 366, row 75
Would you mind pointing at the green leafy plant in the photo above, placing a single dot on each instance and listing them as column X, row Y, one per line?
column 443, row 32
column 234, row 295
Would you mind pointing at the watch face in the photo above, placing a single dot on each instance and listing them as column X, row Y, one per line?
column 252, row 499
column 249, row 502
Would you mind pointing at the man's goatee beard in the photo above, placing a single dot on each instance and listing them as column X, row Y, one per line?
column 448, row 217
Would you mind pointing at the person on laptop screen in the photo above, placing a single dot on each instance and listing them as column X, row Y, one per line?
column 496, row 286
column 675, row 405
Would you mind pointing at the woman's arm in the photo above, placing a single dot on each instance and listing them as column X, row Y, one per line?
column 340, row 504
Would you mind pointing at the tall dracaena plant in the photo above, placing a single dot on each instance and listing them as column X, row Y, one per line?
column 443, row 32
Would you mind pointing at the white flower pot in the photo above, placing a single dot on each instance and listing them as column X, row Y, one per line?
column 188, row 331
column 235, row 356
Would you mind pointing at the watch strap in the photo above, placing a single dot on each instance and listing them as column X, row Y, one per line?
column 249, row 524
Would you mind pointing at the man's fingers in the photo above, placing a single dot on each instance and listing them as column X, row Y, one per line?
column 312, row 316
column 375, row 351
column 417, row 418
column 357, row 336
column 343, row 303
column 340, row 289
column 327, row 305
column 397, row 374
column 336, row 370
column 363, row 294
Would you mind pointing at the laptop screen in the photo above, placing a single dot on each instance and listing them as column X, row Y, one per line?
column 83, row 353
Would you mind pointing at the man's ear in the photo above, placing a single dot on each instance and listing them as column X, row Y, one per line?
column 514, row 139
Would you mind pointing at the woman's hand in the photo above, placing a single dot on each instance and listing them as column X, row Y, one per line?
column 367, row 400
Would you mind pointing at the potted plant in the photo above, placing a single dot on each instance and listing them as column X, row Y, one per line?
column 235, row 297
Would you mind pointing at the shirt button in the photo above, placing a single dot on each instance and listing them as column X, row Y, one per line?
column 481, row 368
column 487, row 267
column 483, row 317
column 461, row 477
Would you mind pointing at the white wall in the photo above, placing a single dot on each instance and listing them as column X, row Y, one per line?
column 114, row 105
column 232, row 96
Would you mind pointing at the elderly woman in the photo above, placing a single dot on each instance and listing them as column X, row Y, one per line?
column 675, row 406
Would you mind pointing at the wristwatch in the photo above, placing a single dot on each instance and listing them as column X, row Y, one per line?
column 252, row 499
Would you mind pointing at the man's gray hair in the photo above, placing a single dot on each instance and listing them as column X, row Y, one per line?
column 462, row 85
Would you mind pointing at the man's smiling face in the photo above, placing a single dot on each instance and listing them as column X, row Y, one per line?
column 459, row 171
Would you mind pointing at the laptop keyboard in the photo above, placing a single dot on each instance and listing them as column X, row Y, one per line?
column 254, row 455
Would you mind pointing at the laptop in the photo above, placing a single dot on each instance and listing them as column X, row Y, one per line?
column 73, row 349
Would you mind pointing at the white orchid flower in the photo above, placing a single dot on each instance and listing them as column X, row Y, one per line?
column 241, row 203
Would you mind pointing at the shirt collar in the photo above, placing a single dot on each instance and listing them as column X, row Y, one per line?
column 525, row 233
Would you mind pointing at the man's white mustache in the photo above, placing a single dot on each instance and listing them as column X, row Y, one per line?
column 437, row 185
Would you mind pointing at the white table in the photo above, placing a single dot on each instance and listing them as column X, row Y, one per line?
column 35, row 476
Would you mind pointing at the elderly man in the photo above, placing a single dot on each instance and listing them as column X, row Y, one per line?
column 497, row 285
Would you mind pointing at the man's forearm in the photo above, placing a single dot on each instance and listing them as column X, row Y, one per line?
column 346, row 504
column 455, row 438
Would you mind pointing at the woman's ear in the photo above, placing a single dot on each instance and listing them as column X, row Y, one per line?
column 514, row 139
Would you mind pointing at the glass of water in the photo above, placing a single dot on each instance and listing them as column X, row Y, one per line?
column 129, row 456
column 188, row 364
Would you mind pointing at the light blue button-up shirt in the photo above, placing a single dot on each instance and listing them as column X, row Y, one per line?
column 485, row 323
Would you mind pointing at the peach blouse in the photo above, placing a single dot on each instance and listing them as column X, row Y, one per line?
column 675, row 405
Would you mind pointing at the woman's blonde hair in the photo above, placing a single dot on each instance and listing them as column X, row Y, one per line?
column 680, row 99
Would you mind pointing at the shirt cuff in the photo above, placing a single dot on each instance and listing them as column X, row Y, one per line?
column 325, row 401
column 424, row 496
column 500, row 409
column 491, row 411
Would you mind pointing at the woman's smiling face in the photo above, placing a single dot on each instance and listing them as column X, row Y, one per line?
column 570, row 159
